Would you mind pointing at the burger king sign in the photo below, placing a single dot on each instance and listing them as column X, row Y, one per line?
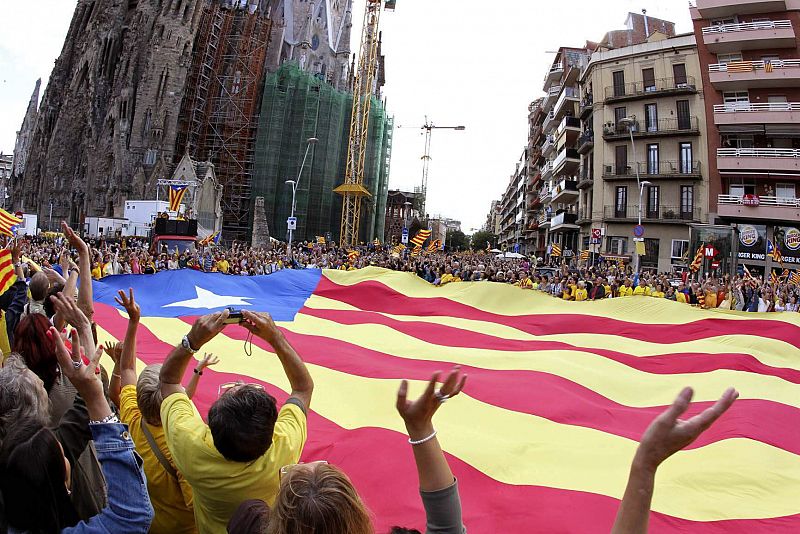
column 788, row 239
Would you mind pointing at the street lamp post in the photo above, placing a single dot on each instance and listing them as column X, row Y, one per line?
column 295, row 183
column 630, row 122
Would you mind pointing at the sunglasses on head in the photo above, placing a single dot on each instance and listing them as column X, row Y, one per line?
column 223, row 388
column 286, row 468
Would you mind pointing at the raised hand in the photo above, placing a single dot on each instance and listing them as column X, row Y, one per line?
column 667, row 434
column 418, row 415
column 206, row 328
column 207, row 361
column 130, row 305
column 74, row 240
column 114, row 351
column 68, row 310
column 261, row 325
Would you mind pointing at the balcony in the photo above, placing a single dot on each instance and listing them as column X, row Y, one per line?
column 661, row 214
column 755, row 74
column 551, row 97
column 567, row 162
column 543, row 219
column 566, row 192
column 586, row 180
column 764, row 160
column 587, row 106
column 586, row 142
column 549, row 145
column 547, row 170
column 549, row 121
column 717, row 9
column 564, row 222
column 748, row 113
column 553, row 75
column 725, row 38
column 768, row 208
column 654, row 88
column 584, row 216
column 570, row 96
column 683, row 126
column 571, row 126
column 658, row 170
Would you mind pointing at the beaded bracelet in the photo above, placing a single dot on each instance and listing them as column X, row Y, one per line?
column 423, row 440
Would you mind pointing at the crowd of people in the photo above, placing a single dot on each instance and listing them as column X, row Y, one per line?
column 84, row 449
column 575, row 281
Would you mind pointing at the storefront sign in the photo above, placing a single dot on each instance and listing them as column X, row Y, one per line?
column 752, row 242
column 787, row 239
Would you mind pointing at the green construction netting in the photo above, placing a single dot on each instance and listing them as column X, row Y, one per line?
column 296, row 106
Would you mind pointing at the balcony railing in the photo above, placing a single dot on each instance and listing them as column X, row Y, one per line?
column 745, row 107
column 660, row 127
column 569, row 92
column 736, row 67
column 565, row 185
column 748, row 26
column 548, row 144
column 781, row 202
column 758, row 153
column 546, row 168
column 664, row 213
column 585, row 141
column 543, row 218
column 653, row 169
column 587, row 104
column 567, row 122
column 660, row 85
column 564, row 218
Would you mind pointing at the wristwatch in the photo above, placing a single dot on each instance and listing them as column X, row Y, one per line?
column 186, row 345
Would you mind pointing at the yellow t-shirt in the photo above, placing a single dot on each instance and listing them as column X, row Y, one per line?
column 223, row 266
column 525, row 283
column 657, row 294
column 680, row 296
column 172, row 499
column 446, row 279
column 625, row 291
column 642, row 290
column 97, row 273
column 608, row 294
column 567, row 295
column 581, row 294
column 221, row 485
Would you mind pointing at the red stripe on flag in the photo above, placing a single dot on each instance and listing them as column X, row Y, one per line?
column 375, row 296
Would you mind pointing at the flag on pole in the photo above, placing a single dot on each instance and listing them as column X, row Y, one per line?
column 555, row 250
column 352, row 255
column 417, row 251
column 747, row 274
column 320, row 240
column 774, row 252
column 794, row 278
column 584, row 255
column 435, row 245
column 399, row 248
column 697, row 262
column 7, row 274
column 211, row 238
column 8, row 222
column 377, row 242
column 774, row 278
column 421, row 237
column 176, row 193
column 578, row 405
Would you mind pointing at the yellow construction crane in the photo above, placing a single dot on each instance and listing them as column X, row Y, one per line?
column 353, row 190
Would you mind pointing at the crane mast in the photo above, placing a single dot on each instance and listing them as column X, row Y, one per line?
column 353, row 190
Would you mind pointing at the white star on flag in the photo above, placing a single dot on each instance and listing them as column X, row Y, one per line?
column 207, row 299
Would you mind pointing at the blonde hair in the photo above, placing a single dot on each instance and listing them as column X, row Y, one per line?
column 321, row 500
column 148, row 394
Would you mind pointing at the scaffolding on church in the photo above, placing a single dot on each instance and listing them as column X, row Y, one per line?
column 219, row 115
column 296, row 106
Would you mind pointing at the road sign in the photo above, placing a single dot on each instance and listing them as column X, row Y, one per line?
column 516, row 248
column 638, row 230
column 291, row 223
column 405, row 236
column 596, row 236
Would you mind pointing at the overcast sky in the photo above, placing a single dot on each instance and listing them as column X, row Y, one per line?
column 467, row 62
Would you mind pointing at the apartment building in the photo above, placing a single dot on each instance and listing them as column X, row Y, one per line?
column 556, row 183
column 750, row 59
column 512, row 207
column 643, row 146
column 537, row 217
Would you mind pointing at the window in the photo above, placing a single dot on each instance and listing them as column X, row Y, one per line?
column 651, row 117
column 741, row 189
column 621, row 160
column 650, row 258
column 738, row 141
column 729, row 58
column 652, row 159
column 619, row 82
column 685, row 154
column 679, row 73
column 687, row 201
column 652, row 201
column 734, row 100
column 649, row 79
column 619, row 115
column 617, row 245
column 785, row 191
column 684, row 118
column 680, row 249
column 150, row 156
column 621, row 204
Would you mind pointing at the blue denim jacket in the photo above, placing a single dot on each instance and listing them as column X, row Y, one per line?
column 129, row 509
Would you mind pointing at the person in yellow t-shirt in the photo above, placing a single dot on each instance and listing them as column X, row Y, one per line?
column 642, row 289
column 658, row 292
column 567, row 293
column 524, row 281
column 97, row 271
column 238, row 455
column 626, row 290
column 608, row 293
column 581, row 294
column 222, row 265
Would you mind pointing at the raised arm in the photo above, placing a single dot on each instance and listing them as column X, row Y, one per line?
column 85, row 268
column 66, row 308
column 262, row 325
column 665, row 436
column 69, row 292
column 203, row 330
column 436, row 481
column 207, row 361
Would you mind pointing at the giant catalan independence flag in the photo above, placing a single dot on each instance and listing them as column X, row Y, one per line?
column 558, row 394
